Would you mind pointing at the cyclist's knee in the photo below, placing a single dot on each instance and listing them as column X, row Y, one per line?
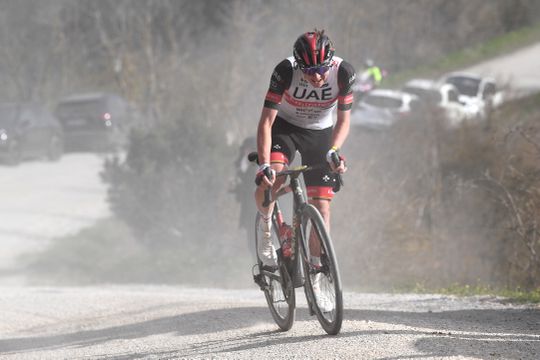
column 323, row 206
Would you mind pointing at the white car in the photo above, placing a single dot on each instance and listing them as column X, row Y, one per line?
column 381, row 108
column 479, row 93
column 442, row 96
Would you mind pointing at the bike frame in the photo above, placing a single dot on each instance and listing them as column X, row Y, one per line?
column 297, row 270
column 299, row 202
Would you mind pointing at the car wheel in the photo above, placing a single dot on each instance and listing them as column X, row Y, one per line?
column 56, row 148
column 14, row 153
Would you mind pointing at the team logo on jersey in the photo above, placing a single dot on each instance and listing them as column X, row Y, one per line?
column 276, row 75
column 276, row 147
column 326, row 178
column 324, row 94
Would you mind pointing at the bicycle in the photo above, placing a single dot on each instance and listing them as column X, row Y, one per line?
column 309, row 239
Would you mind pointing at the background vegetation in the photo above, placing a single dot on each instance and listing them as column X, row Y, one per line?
column 421, row 204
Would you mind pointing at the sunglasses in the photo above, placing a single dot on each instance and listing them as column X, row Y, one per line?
column 321, row 70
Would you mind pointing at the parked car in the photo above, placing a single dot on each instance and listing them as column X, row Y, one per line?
column 381, row 108
column 95, row 121
column 29, row 131
column 443, row 99
column 478, row 93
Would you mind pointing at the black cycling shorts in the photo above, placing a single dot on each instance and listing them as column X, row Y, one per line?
column 312, row 146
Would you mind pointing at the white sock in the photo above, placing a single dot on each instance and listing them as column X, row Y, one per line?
column 266, row 222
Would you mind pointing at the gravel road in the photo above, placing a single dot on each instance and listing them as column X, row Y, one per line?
column 154, row 322
column 519, row 69
column 43, row 200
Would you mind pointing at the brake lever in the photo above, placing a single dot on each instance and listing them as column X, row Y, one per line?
column 268, row 174
column 336, row 160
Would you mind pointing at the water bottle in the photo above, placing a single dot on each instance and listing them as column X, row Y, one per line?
column 285, row 235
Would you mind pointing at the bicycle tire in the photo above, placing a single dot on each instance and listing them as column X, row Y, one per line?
column 279, row 291
column 329, row 280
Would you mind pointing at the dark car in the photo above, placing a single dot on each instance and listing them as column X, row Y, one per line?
column 29, row 131
column 95, row 121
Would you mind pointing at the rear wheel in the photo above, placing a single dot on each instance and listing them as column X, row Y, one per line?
column 323, row 282
column 277, row 285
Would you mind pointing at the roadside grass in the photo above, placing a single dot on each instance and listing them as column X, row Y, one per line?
column 500, row 45
column 514, row 295
column 102, row 252
column 107, row 252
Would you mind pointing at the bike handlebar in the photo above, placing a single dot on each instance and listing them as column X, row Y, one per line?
column 254, row 157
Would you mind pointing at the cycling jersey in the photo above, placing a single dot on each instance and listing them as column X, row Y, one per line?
column 304, row 120
column 303, row 105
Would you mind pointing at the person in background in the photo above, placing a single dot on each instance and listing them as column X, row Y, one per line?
column 240, row 185
column 374, row 73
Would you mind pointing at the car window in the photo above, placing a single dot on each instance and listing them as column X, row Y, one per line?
column 465, row 85
column 426, row 95
column 94, row 107
column 383, row 101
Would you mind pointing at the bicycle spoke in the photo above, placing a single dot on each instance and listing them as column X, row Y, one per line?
column 323, row 285
column 279, row 292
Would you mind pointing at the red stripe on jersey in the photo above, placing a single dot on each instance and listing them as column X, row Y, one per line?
column 345, row 100
column 273, row 97
column 280, row 158
column 320, row 192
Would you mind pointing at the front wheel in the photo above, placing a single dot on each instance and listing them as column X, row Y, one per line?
column 277, row 285
column 323, row 282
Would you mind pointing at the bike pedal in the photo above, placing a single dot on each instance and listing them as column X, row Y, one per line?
column 269, row 268
column 259, row 280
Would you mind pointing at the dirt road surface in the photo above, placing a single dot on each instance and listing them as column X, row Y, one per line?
column 42, row 200
column 518, row 69
column 158, row 322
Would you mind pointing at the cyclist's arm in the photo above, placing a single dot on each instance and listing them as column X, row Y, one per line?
column 346, row 78
column 279, row 82
column 341, row 129
column 264, row 134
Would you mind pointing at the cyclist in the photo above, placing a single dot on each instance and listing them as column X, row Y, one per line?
column 239, row 184
column 373, row 72
column 297, row 116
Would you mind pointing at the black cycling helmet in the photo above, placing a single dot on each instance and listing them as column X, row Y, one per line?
column 313, row 49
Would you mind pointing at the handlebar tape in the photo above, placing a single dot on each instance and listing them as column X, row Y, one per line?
column 268, row 174
column 339, row 179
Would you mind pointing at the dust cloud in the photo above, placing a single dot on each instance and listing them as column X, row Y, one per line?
column 198, row 73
